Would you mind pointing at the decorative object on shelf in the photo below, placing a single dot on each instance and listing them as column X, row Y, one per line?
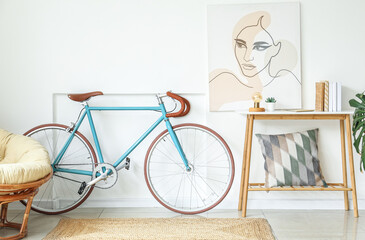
column 358, row 127
column 270, row 104
column 328, row 96
column 257, row 97
column 265, row 39
column 320, row 89
column 291, row 159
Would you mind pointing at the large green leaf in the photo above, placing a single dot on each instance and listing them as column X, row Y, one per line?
column 356, row 104
column 361, row 96
column 358, row 127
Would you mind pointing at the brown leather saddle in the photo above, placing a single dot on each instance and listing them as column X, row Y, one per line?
column 80, row 97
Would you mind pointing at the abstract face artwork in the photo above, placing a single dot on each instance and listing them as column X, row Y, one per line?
column 262, row 61
column 254, row 49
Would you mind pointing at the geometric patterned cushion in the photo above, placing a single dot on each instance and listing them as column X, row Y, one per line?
column 291, row 159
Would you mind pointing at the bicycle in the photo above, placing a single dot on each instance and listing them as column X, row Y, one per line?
column 188, row 168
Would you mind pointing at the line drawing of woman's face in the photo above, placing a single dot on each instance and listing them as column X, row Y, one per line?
column 254, row 48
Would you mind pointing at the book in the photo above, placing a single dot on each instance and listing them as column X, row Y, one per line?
column 326, row 96
column 319, row 96
column 338, row 97
column 334, row 97
column 330, row 97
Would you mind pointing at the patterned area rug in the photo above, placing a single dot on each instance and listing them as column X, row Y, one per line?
column 163, row 228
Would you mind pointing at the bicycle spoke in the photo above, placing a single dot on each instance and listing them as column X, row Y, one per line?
column 154, row 162
column 169, row 158
column 215, row 159
column 161, row 179
column 211, row 143
column 197, row 192
column 214, row 179
column 69, row 155
column 207, row 183
column 44, row 192
column 49, row 144
column 178, row 191
column 210, row 166
column 174, row 174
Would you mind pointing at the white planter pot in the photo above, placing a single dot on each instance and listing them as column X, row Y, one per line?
column 270, row 107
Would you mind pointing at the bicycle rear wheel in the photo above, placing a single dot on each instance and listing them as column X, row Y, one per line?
column 195, row 191
column 60, row 193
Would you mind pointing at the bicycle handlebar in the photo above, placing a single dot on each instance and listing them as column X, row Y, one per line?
column 185, row 105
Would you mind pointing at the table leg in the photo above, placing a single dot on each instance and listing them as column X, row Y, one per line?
column 247, row 165
column 351, row 163
column 243, row 166
column 344, row 168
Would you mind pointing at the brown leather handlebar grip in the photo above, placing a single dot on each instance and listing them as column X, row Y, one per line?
column 185, row 105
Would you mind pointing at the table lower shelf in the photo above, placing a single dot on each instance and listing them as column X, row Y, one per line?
column 331, row 187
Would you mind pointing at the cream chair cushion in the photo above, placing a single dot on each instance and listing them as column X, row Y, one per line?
column 22, row 159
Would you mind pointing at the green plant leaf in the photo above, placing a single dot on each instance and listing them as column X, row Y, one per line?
column 362, row 162
column 361, row 96
column 359, row 118
column 356, row 104
column 360, row 136
column 359, row 112
column 358, row 127
column 270, row 100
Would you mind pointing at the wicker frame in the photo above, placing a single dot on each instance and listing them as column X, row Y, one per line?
column 16, row 192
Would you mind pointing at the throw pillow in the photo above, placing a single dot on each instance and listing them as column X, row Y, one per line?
column 291, row 159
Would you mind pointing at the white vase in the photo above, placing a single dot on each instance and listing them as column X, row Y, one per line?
column 270, row 106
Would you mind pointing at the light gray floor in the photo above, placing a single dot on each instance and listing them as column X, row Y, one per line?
column 286, row 224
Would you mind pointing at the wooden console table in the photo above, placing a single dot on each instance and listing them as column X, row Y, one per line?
column 285, row 115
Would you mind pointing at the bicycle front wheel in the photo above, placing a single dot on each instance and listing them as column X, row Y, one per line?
column 201, row 188
column 60, row 193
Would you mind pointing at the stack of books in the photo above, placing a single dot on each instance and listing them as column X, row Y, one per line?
column 328, row 96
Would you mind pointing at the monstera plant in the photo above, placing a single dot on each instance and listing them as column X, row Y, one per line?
column 358, row 127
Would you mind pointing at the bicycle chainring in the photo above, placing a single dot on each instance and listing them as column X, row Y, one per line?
column 110, row 180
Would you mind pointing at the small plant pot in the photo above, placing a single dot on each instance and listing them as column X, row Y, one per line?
column 270, row 106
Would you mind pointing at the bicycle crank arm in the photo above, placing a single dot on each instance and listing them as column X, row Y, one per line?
column 92, row 182
column 102, row 176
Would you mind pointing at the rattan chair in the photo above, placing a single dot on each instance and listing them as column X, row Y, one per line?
column 14, row 193
column 24, row 167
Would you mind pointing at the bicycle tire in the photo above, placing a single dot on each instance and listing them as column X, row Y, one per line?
column 160, row 159
column 53, row 197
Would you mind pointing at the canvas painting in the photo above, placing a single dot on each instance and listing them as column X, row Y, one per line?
column 254, row 48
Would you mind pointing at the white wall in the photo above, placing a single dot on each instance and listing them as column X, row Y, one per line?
column 49, row 48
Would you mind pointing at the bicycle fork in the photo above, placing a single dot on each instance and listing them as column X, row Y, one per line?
column 177, row 145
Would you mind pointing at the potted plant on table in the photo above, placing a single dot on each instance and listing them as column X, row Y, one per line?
column 270, row 104
column 358, row 126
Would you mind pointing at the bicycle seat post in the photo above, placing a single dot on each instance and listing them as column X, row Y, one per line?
column 84, row 103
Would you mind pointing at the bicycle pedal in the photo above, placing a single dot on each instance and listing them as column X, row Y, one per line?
column 82, row 188
column 127, row 163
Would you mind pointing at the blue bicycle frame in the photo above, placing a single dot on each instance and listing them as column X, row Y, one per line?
column 87, row 112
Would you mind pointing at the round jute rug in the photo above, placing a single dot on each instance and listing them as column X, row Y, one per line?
column 162, row 228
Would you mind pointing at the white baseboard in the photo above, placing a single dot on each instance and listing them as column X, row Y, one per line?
column 326, row 204
column 252, row 204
